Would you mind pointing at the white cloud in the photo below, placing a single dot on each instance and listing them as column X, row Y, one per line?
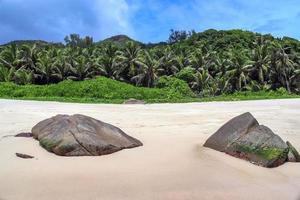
column 53, row 19
column 114, row 17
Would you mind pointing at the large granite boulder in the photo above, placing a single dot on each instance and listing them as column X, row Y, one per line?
column 244, row 138
column 79, row 135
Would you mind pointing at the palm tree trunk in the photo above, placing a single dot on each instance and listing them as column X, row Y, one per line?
column 260, row 75
column 239, row 86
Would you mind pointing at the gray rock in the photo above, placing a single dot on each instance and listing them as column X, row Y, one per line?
column 25, row 156
column 24, row 135
column 79, row 135
column 244, row 138
column 231, row 131
column 134, row 101
column 293, row 155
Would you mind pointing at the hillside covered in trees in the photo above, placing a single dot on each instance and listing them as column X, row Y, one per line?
column 211, row 62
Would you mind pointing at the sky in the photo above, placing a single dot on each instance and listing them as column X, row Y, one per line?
column 143, row 20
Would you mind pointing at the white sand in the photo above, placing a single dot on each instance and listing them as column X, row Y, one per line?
column 172, row 164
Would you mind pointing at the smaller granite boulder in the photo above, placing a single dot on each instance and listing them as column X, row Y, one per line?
column 80, row 135
column 24, row 156
column 244, row 138
column 134, row 101
column 27, row 135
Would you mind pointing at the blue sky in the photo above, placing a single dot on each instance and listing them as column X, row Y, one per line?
column 143, row 20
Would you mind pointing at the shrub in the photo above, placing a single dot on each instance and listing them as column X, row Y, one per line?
column 186, row 74
column 175, row 86
column 99, row 88
column 282, row 91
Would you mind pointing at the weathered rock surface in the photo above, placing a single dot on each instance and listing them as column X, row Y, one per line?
column 25, row 156
column 79, row 135
column 134, row 101
column 293, row 155
column 244, row 138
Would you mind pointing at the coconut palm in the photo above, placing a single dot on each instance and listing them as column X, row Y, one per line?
column 107, row 62
column 44, row 69
column 167, row 65
column 7, row 74
column 81, row 69
column 222, row 65
column 23, row 76
column 9, row 57
column 181, row 60
column 147, row 72
column 198, row 60
column 61, row 68
column 28, row 56
column 127, row 61
column 239, row 69
column 219, row 86
column 201, row 81
column 283, row 68
column 261, row 59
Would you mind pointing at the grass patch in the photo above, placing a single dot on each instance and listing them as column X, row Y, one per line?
column 104, row 90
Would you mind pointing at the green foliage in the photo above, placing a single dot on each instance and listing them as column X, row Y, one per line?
column 186, row 74
column 212, row 63
column 74, row 40
column 267, row 153
column 99, row 88
column 282, row 91
column 176, row 87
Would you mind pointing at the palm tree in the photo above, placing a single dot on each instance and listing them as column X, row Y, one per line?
column 261, row 59
column 61, row 68
column 166, row 63
column 44, row 69
column 219, row 86
column 128, row 61
column 283, row 68
column 7, row 74
column 81, row 69
column 147, row 73
column 199, row 61
column 107, row 62
column 9, row 57
column 23, row 76
column 201, row 81
column 222, row 66
column 28, row 56
column 239, row 68
column 181, row 61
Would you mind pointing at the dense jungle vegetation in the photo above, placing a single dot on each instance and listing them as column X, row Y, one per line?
column 211, row 63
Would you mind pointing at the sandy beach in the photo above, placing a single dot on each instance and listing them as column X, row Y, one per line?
column 172, row 164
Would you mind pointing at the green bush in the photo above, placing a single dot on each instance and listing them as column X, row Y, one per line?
column 99, row 88
column 106, row 90
column 282, row 91
column 175, row 87
column 186, row 74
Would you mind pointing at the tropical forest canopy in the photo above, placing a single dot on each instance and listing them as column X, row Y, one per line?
column 211, row 62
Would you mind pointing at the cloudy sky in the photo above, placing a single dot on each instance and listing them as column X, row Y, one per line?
column 144, row 20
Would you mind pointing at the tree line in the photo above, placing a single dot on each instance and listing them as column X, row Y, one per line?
column 212, row 62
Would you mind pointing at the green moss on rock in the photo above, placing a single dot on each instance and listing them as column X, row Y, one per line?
column 268, row 153
column 48, row 144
